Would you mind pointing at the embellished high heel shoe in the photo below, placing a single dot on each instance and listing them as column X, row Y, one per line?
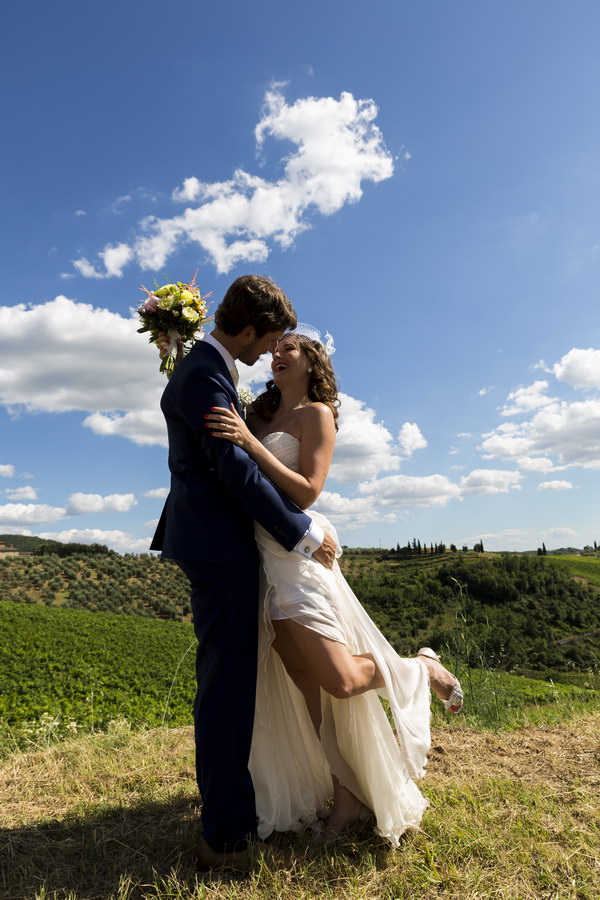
column 455, row 701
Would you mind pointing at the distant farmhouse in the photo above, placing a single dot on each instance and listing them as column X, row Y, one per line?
column 9, row 550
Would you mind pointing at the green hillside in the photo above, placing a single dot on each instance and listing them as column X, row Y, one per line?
column 494, row 610
column 66, row 671
column 99, row 582
column 498, row 610
column 586, row 568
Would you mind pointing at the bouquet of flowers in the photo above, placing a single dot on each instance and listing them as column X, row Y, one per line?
column 173, row 314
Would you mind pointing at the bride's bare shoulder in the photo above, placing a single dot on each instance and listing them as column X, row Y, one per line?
column 318, row 415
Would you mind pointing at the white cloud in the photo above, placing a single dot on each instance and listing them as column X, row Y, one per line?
column 120, row 203
column 145, row 427
column 21, row 493
column 555, row 486
column 350, row 513
column 29, row 513
column 509, row 538
column 569, row 431
column 81, row 504
column 484, row 390
column 507, row 442
column 558, row 434
column 579, row 368
column 536, row 464
column 7, row 471
column 115, row 540
column 151, row 524
column 190, row 190
column 489, row 481
column 404, row 491
column 85, row 358
column 410, row 439
column 255, row 377
column 401, row 492
column 364, row 447
column 158, row 493
column 525, row 399
column 562, row 532
column 114, row 257
column 93, row 360
column 337, row 148
column 80, row 212
column 463, row 434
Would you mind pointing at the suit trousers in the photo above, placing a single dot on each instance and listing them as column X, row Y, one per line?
column 225, row 610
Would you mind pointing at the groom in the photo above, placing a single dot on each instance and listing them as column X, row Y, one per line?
column 207, row 526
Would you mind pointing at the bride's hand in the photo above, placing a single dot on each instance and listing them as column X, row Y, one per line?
column 227, row 423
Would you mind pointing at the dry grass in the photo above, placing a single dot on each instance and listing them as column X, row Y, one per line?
column 513, row 816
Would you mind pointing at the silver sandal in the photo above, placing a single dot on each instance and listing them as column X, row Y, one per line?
column 455, row 701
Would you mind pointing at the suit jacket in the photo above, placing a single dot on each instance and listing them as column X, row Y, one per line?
column 216, row 489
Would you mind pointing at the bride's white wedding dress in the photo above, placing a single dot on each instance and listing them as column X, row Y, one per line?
column 291, row 768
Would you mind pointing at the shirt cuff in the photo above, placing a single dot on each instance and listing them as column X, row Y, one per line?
column 311, row 541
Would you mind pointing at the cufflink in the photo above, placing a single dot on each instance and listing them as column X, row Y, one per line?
column 307, row 549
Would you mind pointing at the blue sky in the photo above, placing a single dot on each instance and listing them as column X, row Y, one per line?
column 423, row 181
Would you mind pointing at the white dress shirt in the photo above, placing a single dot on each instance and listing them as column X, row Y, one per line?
column 313, row 538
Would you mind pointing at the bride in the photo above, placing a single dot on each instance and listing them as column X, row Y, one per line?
column 320, row 729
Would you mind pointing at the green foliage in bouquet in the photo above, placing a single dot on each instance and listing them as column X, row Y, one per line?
column 173, row 314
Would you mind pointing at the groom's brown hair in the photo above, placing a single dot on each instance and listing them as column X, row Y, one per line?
column 255, row 300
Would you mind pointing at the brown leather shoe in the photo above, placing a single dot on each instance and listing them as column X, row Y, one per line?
column 207, row 858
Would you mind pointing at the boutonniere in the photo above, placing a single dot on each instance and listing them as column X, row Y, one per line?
column 246, row 398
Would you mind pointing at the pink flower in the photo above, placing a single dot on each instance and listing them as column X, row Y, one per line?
column 151, row 303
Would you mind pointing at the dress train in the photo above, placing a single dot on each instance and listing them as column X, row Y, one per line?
column 291, row 768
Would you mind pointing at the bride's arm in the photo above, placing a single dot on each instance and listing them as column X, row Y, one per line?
column 317, row 440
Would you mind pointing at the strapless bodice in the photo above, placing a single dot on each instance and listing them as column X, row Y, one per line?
column 285, row 447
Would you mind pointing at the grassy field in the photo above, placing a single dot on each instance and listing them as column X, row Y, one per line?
column 512, row 816
column 513, row 783
column 586, row 567
column 67, row 670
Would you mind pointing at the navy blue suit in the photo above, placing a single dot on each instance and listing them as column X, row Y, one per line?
column 206, row 525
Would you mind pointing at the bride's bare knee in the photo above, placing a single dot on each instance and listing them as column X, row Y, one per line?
column 341, row 690
column 355, row 680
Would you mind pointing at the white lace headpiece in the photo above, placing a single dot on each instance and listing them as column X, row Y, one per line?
column 303, row 330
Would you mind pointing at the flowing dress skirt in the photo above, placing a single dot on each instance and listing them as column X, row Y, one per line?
column 291, row 768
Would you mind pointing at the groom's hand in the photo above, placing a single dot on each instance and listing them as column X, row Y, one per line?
column 325, row 554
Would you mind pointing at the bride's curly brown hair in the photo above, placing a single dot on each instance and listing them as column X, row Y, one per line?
column 322, row 385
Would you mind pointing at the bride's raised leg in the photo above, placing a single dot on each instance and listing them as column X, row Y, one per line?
column 328, row 662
